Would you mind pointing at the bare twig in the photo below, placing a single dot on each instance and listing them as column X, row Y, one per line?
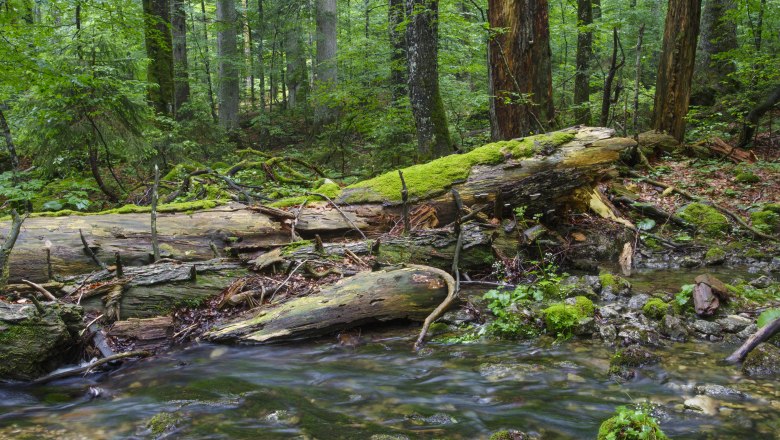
column 758, row 337
column 292, row 272
column 405, row 199
column 155, row 197
column 41, row 289
column 89, row 252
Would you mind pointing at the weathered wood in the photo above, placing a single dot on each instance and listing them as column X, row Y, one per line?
column 33, row 343
column 704, row 302
column 405, row 293
column 144, row 334
column 758, row 337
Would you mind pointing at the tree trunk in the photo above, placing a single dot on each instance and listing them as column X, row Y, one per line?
column 207, row 62
column 326, row 67
column 718, row 36
column 584, row 55
column 521, row 75
column 606, row 98
column 296, row 74
column 227, row 52
column 260, row 38
column 9, row 140
column 675, row 69
column 180, row 71
column 752, row 119
column 406, row 293
column 433, row 134
column 398, row 77
column 157, row 18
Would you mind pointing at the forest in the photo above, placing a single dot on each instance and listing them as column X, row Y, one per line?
column 389, row 219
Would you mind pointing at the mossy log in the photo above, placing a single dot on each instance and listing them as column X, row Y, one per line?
column 542, row 173
column 34, row 343
column 402, row 293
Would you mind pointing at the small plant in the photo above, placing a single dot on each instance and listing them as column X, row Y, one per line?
column 631, row 424
column 682, row 300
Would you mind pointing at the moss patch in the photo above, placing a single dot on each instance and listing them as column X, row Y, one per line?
column 747, row 177
column 706, row 218
column 329, row 189
column 766, row 221
column 561, row 318
column 434, row 177
column 714, row 255
column 656, row 308
column 630, row 424
column 135, row 209
column 163, row 422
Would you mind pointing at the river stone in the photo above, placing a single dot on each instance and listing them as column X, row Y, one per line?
column 638, row 301
column 609, row 311
column 761, row 282
column 624, row 363
column 34, row 344
column 764, row 360
column 707, row 327
column 748, row 331
column 690, row 262
column 585, row 326
column 576, row 286
column 673, row 328
column 608, row 332
column 734, row 323
column 593, row 281
column 704, row 404
column 721, row 392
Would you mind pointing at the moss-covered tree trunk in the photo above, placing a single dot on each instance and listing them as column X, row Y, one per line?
column 422, row 40
column 675, row 69
column 521, row 68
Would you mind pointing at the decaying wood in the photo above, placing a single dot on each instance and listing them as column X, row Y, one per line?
column 734, row 154
column 42, row 290
column 155, row 241
column 7, row 247
column 145, row 334
column 752, row 342
column 403, row 293
column 704, row 302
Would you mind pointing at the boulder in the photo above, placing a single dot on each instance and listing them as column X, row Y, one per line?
column 764, row 360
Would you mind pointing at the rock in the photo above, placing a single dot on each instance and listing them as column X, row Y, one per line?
column 576, row 286
column 721, row 392
column 459, row 316
column 673, row 328
column 625, row 362
column 733, row 323
column 593, row 281
column 638, row 301
column 714, row 256
column 704, row 404
column 33, row 344
column 690, row 262
column 764, row 360
column 748, row 331
column 761, row 282
column 718, row 287
column 608, row 332
column 707, row 327
column 585, row 326
column 656, row 308
column 707, row 219
column 609, row 311
column 509, row 434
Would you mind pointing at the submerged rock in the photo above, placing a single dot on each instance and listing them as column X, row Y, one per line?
column 721, row 392
column 703, row 404
column 673, row 328
column 625, row 362
column 707, row 327
column 733, row 323
column 764, row 360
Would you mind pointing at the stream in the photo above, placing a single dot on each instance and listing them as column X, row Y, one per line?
column 380, row 389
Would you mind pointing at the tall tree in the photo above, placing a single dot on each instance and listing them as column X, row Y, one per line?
column 521, row 68
column 157, row 33
column 296, row 73
column 259, row 37
column 326, row 67
column 584, row 55
column 227, row 50
column 675, row 68
column 9, row 140
column 422, row 39
column 181, row 80
column 395, row 17
column 718, row 36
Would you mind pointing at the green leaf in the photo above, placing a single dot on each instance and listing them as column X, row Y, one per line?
column 767, row 316
column 646, row 224
column 52, row 205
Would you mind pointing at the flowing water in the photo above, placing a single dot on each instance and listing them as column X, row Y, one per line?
column 321, row 390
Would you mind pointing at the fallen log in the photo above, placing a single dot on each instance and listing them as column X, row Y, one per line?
column 403, row 293
column 752, row 342
column 540, row 172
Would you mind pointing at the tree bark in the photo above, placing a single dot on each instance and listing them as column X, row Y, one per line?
column 157, row 33
column 521, row 75
column 181, row 80
column 296, row 73
column 260, row 38
column 753, row 118
column 398, row 76
column 406, row 293
column 326, row 70
column 676, row 66
column 422, row 39
column 9, row 140
column 207, row 62
column 584, row 55
column 227, row 53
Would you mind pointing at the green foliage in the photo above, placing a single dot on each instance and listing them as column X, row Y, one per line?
column 683, row 300
column 18, row 189
column 767, row 316
column 655, row 308
column 631, row 424
column 765, row 221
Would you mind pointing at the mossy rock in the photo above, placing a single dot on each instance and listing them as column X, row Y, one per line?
column 764, row 360
column 435, row 177
column 562, row 318
column 509, row 434
column 630, row 424
column 163, row 422
column 625, row 361
column 747, row 177
column 651, row 141
column 714, row 256
column 613, row 282
column 656, row 308
column 766, row 221
column 706, row 218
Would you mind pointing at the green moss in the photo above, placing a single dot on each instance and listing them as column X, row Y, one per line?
column 561, row 318
column 436, row 176
column 747, row 177
column 774, row 207
column 629, row 424
column 766, row 221
column 163, row 422
column 656, row 308
column 706, row 218
column 292, row 247
column 714, row 254
column 607, row 280
column 507, row 435
column 135, row 209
